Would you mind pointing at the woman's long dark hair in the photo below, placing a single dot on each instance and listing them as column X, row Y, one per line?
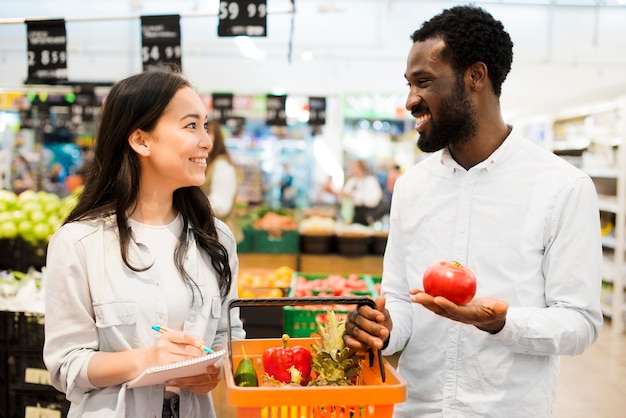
column 112, row 181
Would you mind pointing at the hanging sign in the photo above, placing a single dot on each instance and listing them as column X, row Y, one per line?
column 242, row 18
column 160, row 42
column 317, row 111
column 276, row 115
column 222, row 106
column 47, row 51
column 86, row 104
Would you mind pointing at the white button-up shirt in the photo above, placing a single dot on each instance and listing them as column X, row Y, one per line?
column 527, row 224
column 95, row 303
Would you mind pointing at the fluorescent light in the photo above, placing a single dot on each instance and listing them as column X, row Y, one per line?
column 248, row 49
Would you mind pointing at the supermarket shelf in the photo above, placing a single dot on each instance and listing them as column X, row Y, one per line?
column 339, row 264
column 315, row 263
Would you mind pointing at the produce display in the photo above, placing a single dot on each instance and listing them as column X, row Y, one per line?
column 318, row 225
column 303, row 320
column 329, row 285
column 450, row 280
column 264, row 283
column 33, row 216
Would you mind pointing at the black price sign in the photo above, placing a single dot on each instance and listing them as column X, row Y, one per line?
column 276, row 115
column 47, row 51
column 222, row 106
column 317, row 111
column 160, row 42
column 242, row 18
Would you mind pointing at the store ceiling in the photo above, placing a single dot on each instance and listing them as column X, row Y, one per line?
column 566, row 51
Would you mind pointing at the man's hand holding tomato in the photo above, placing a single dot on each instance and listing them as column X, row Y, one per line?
column 449, row 290
column 486, row 314
column 367, row 327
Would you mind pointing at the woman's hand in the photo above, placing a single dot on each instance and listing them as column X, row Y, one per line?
column 201, row 384
column 486, row 314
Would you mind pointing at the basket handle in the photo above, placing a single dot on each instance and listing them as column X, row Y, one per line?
column 299, row 301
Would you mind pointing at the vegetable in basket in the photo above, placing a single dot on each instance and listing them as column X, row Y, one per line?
column 245, row 375
column 288, row 365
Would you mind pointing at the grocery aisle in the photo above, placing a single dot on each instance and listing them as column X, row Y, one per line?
column 593, row 385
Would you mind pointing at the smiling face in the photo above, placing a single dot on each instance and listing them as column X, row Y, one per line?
column 437, row 98
column 174, row 154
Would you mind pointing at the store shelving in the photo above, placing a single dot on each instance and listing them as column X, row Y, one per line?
column 602, row 128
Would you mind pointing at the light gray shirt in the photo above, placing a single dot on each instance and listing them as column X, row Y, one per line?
column 527, row 224
column 95, row 303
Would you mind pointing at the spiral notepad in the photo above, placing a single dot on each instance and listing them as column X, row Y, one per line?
column 157, row 375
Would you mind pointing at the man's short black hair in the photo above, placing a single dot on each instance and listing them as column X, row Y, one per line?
column 471, row 35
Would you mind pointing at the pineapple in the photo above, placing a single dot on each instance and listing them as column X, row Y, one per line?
column 334, row 364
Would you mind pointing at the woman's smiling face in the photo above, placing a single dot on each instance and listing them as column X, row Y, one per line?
column 179, row 145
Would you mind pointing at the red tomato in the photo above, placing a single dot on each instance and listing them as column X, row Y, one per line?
column 450, row 280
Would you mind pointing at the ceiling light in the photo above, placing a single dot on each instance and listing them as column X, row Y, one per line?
column 306, row 55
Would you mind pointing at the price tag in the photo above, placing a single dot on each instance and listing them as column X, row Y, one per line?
column 242, row 18
column 276, row 115
column 317, row 111
column 160, row 41
column 47, row 51
column 222, row 106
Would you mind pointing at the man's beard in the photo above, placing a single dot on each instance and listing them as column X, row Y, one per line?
column 455, row 125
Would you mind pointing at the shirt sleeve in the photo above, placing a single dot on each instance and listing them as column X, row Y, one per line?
column 572, row 269
column 394, row 287
column 70, row 331
column 223, row 188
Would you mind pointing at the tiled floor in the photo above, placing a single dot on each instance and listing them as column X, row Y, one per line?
column 593, row 385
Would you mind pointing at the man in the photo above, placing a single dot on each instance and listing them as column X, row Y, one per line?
column 523, row 220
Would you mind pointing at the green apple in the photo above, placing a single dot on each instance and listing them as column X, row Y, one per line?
column 42, row 231
column 8, row 229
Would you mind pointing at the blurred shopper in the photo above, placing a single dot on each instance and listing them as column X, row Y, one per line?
column 141, row 248
column 365, row 192
column 221, row 180
column 288, row 191
column 522, row 219
column 392, row 176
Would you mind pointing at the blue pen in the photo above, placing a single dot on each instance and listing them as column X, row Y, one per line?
column 163, row 330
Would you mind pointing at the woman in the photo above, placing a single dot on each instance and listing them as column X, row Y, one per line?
column 221, row 181
column 141, row 248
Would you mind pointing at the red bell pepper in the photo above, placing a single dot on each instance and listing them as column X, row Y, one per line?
column 288, row 364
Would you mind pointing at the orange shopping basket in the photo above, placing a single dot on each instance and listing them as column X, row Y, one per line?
column 378, row 387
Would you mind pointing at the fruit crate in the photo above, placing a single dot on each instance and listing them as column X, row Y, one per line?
column 284, row 241
column 300, row 321
column 379, row 386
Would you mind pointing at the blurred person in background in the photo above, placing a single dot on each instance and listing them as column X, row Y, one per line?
column 221, row 180
column 365, row 192
column 141, row 249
